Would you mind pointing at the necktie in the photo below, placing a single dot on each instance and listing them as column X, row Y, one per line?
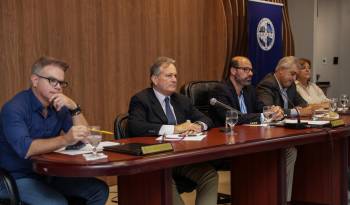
column 285, row 99
column 169, row 113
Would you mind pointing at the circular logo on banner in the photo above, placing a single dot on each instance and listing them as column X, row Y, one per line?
column 265, row 34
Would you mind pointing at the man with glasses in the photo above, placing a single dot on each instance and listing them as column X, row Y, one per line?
column 41, row 120
column 236, row 91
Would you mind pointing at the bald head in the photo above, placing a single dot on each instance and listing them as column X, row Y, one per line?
column 239, row 61
column 240, row 72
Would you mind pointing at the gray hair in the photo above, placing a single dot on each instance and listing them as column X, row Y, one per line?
column 287, row 62
column 160, row 62
column 45, row 61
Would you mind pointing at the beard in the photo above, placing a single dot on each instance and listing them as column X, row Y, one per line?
column 244, row 81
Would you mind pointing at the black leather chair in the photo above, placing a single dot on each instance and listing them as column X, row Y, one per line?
column 120, row 126
column 200, row 93
column 7, row 181
column 9, row 184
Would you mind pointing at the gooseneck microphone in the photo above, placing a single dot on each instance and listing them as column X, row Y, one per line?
column 215, row 102
column 299, row 125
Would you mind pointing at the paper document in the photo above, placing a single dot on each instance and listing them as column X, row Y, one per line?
column 255, row 125
column 310, row 122
column 86, row 149
column 176, row 137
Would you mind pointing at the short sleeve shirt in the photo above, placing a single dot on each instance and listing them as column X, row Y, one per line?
column 21, row 122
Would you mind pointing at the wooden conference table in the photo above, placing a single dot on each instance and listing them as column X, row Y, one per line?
column 257, row 159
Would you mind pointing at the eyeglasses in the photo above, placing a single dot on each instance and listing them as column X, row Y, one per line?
column 246, row 69
column 54, row 82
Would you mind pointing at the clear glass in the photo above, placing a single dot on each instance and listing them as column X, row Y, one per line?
column 94, row 139
column 319, row 114
column 333, row 104
column 344, row 100
column 231, row 121
column 268, row 114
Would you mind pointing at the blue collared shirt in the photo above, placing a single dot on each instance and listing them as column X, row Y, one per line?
column 242, row 106
column 21, row 122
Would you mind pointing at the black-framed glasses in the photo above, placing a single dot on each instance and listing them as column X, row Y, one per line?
column 54, row 82
column 245, row 69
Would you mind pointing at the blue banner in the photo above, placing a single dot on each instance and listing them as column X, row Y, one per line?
column 264, row 37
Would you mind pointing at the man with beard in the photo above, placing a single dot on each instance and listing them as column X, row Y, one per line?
column 236, row 91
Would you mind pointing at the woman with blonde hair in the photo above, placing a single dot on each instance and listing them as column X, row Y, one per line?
column 311, row 93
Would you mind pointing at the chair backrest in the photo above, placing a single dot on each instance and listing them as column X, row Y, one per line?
column 199, row 93
column 120, row 126
column 8, row 184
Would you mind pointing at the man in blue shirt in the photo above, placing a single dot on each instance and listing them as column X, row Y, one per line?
column 41, row 120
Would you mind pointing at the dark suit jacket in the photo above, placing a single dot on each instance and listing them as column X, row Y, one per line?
column 226, row 93
column 146, row 115
column 268, row 92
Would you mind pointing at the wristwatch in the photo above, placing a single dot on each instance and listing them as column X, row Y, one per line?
column 75, row 111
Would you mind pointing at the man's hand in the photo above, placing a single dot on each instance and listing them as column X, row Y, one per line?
column 59, row 100
column 306, row 111
column 181, row 128
column 193, row 128
column 278, row 113
column 75, row 134
column 322, row 105
column 187, row 128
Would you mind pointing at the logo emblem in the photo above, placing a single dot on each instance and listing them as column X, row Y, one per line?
column 265, row 34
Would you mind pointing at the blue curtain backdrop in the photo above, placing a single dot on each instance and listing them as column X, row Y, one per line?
column 264, row 37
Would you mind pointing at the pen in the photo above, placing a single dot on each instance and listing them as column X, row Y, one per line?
column 102, row 131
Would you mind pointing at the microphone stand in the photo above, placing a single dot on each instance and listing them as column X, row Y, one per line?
column 299, row 124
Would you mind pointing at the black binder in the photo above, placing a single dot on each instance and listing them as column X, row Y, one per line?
column 130, row 148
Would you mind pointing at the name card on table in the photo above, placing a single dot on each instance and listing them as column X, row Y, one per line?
column 337, row 123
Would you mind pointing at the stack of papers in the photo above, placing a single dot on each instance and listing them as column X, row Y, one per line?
column 87, row 148
column 177, row 137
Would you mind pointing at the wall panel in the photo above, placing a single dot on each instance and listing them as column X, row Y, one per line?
column 110, row 45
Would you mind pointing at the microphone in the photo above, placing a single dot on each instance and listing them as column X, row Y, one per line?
column 299, row 125
column 215, row 102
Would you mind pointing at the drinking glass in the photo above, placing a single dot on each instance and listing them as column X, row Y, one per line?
column 333, row 104
column 94, row 139
column 231, row 121
column 268, row 114
column 344, row 100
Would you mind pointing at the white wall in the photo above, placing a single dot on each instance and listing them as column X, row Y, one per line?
column 320, row 29
column 344, row 50
column 302, row 23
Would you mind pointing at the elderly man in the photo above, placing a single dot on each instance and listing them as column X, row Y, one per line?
column 160, row 110
column 236, row 91
column 279, row 89
column 40, row 120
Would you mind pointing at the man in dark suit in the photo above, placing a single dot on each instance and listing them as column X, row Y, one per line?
column 159, row 111
column 278, row 88
column 236, row 91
